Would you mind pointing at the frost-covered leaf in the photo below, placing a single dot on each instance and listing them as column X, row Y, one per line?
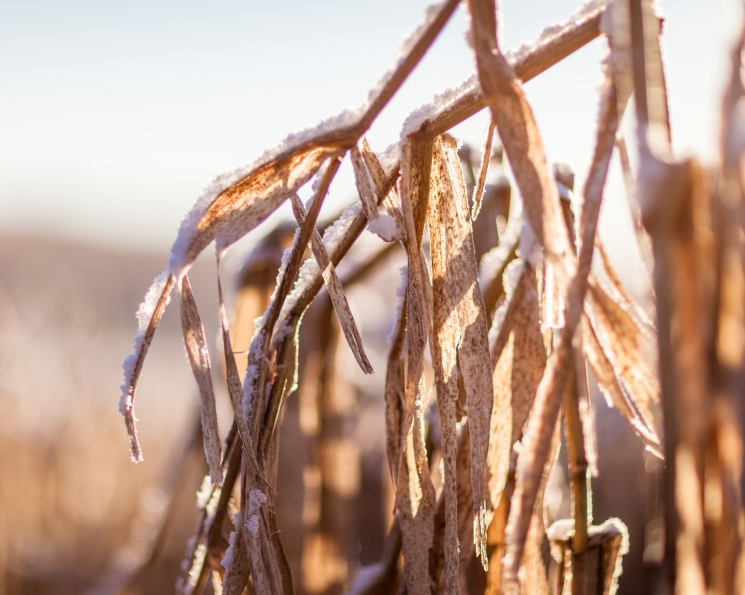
column 522, row 143
column 229, row 214
column 148, row 317
column 196, row 350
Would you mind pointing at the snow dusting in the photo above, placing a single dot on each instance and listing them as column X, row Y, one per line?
column 227, row 561
column 519, row 53
column 144, row 315
column 253, row 525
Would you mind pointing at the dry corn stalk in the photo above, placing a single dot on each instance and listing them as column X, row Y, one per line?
column 554, row 317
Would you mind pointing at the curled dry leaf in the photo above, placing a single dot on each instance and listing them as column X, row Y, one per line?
column 518, row 371
column 610, row 385
column 522, row 143
column 196, row 350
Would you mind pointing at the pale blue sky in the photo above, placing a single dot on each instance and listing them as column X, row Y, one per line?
column 115, row 115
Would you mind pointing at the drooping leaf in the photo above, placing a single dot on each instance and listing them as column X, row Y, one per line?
column 336, row 292
column 473, row 348
column 445, row 337
column 415, row 499
column 196, row 350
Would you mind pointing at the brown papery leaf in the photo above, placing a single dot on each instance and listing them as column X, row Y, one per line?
column 444, row 342
column 622, row 340
column 242, row 206
column 501, row 427
column 196, row 350
column 529, row 358
column 336, row 291
column 473, row 349
column 416, row 495
column 518, row 372
column 611, row 387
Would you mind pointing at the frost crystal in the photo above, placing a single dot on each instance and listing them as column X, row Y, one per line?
column 227, row 561
column 255, row 499
column 384, row 227
column 253, row 525
column 204, row 493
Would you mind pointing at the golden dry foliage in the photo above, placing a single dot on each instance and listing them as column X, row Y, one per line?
column 502, row 393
